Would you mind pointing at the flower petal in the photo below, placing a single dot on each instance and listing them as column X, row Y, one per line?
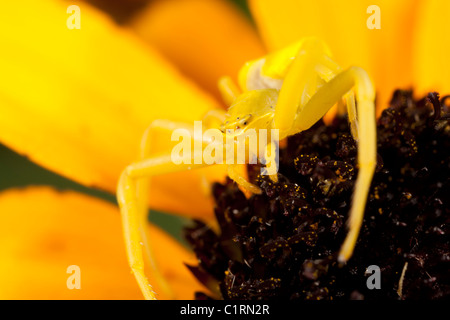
column 432, row 47
column 385, row 53
column 205, row 39
column 43, row 232
column 77, row 101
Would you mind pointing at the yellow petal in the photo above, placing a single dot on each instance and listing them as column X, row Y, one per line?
column 77, row 101
column 432, row 47
column 385, row 53
column 205, row 39
column 43, row 232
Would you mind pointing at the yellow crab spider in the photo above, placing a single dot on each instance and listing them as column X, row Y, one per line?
column 288, row 90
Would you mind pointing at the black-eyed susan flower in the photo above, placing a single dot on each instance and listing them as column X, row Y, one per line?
column 78, row 101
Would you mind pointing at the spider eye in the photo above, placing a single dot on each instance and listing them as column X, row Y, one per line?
column 244, row 120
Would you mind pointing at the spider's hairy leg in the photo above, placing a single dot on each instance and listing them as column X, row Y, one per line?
column 131, row 226
column 143, row 189
column 325, row 97
column 236, row 176
column 270, row 158
column 299, row 78
column 130, row 209
column 133, row 198
column 211, row 119
column 351, row 112
column 229, row 90
column 327, row 70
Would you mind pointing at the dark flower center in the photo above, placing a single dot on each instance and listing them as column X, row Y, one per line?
column 283, row 244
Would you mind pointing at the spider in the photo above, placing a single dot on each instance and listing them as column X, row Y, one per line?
column 289, row 90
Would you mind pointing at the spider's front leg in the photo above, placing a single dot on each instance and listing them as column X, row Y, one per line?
column 316, row 108
column 133, row 190
column 299, row 66
column 327, row 70
column 299, row 84
column 303, row 100
column 132, row 197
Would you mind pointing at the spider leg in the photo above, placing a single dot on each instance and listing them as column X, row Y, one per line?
column 270, row 157
column 327, row 71
column 211, row 119
column 133, row 191
column 317, row 106
column 299, row 79
column 277, row 64
column 142, row 187
column 130, row 208
column 351, row 112
column 236, row 167
column 136, row 218
column 208, row 120
column 241, row 180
